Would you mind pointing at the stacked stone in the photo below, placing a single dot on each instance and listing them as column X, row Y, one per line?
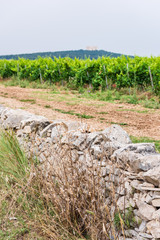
column 134, row 169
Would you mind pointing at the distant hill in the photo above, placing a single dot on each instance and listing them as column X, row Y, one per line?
column 72, row 54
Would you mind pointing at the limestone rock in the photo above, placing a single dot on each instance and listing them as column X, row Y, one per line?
column 123, row 203
column 53, row 127
column 97, row 139
column 12, row 118
column 132, row 152
column 142, row 227
column 153, row 176
column 37, row 123
column 145, row 236
column 146, row 162
column 17, row 119
column 76, row 126
column 145, row 210
column 70, row 127
column 156, row 215
column 156, row 202
column 154, row 228
column 146, row 185
column 58, row 131
column 111, row 147
column 135, row 184
column 118, row 134
column 91, row 137
column 75, row 140
column 131, row 233
column 1, row 108
column 27, row 129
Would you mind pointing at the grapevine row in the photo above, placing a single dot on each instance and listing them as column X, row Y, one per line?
column 102, row 72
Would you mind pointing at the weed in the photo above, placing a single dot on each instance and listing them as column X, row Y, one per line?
column 102, row 112
column 126, row 110
column 132, row 110
column 47, row 106
column 81, row 90
column 122, row 124
column 32, row 101
column 126, row 218
column 65, row 112
column 70, row 103
column 73, row 113
column 151, row 104
column 117, row 96
column 13, row 161
column 83, row 116
column 132, row 99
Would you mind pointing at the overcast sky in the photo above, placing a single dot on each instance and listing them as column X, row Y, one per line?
column 122, row 26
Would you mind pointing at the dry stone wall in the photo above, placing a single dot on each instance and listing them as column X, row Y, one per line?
column 134, row 169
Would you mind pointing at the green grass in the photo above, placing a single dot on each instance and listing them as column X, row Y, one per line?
column 20, row 203
column 71, row 103
column 142, row 111
column 128, row 219
column 151, row 104
column 47, row 106
column 102, row 119
column 83, row 116
column 146, row 140
column 132, row 110
column 119, row 123
column 79, row 115
column 129, row 99
column 102, row 112
column 64, row 112
column 25, row 83
column 32, row 101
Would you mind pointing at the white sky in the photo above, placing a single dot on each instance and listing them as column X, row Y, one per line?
column 122, row 26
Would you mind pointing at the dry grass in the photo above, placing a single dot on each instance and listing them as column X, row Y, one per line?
column 62, row 200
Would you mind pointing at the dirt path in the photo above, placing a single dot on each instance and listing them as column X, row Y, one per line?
column 135, row 119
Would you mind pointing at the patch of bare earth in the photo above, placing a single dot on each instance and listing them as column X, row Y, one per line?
column 104, row 113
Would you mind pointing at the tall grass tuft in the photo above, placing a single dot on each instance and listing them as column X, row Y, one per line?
column 13, row 162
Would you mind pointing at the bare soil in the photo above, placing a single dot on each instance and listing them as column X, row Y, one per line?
column 135, row 119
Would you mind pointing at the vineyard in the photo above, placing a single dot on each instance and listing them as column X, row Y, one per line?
column 98, row 73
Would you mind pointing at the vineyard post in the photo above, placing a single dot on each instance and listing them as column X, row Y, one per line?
column 49, row 78
column 5, row 65
column 18, row 73
column 135, row 74
column 134, row 84
column 40, row 74
column 105, row 76
column 151, row 78
column 128, row 78
column 60, row 76
column 90, row 85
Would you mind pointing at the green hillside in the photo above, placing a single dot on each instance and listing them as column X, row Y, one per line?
column 82, row 54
